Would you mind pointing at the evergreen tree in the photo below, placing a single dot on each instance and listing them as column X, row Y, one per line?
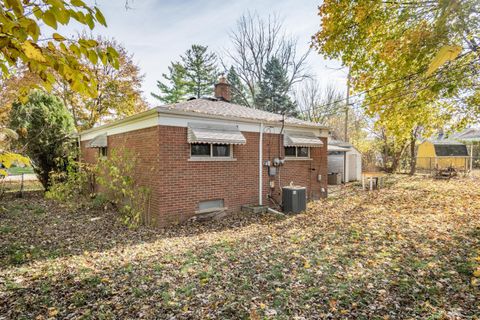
column 175, row 88
column 238, row 92
column 201, row 70
column 45, row 128
column 273, row 95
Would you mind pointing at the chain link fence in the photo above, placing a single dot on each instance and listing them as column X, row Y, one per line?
column 19, row 183
column 429, row 165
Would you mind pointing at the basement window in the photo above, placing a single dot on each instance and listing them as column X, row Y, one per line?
column 211, row 205
column 202, row 150
column 297, row 152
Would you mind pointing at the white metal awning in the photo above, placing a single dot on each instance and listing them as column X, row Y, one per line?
column 215, row 134
column 337, row 148
column 301, row 139
column 99, row 141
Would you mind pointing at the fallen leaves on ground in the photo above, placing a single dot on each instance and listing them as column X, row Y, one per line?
column 410, row 250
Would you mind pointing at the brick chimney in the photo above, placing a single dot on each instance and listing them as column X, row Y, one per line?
column 222, row 90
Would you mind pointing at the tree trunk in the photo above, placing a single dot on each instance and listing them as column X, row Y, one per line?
column 413, row 160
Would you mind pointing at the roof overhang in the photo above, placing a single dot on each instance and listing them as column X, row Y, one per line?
column 135, row 117
column 337, row 148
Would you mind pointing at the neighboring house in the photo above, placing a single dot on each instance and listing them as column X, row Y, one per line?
column 345, row 159
column 442, row 154
column 209, row 154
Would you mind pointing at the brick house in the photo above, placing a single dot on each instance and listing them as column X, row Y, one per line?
column 207, row 154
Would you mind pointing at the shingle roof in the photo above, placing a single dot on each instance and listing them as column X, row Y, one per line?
column 451, row 150
column 339, row 143
column 230, row 110
column 446, row 142
column 471, row 134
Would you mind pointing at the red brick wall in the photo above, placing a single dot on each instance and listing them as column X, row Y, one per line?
column 178, row 184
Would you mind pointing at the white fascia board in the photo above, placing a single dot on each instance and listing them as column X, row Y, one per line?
column 142, row 120
column 153, row 117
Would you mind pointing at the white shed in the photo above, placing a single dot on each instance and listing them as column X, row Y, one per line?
column 345, row 159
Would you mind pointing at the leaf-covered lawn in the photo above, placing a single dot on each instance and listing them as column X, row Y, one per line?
column 407, row 251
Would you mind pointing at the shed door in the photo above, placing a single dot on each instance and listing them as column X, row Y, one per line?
column 335, row 163
column 352, row 167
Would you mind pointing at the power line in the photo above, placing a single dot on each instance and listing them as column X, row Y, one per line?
column 385, row 85
column 407, row 77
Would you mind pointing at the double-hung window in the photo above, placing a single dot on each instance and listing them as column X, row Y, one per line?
column 298, row 144
column 297, row 152
column 208, row 150
column 213, row 141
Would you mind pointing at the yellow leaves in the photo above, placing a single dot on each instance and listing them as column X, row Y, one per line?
column 49, row 19
column 476, row 273
column 445, row 54
column 16, row 5
column 307, row 264
column 78, row 3
column 58, row 37
column 32, row 51
column 100, row 18
column 52, row 312
column 475, row 282
column 7, row 159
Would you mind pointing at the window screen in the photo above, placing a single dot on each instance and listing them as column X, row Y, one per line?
column 302, row 152
column 290, row 152
column 221, row 150
column 200, row 150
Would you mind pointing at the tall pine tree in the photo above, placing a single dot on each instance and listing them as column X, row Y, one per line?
column 237, row 88
column 175, row 90
column 273, row 95
column 201, row 70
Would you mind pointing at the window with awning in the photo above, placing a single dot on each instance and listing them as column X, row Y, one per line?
column 301, row 139
column 214, row 134
column 99, row 141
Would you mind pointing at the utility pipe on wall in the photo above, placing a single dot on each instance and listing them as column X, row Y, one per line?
column 260, row 166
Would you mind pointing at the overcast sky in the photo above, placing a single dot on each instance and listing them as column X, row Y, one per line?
column 158, row 31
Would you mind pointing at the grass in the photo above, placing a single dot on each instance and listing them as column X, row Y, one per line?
column 15, row 186
column 406, row 251
column 20, row 170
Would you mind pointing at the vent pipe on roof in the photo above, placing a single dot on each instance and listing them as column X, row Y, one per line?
column 222, row 90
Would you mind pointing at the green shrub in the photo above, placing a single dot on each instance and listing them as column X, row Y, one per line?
column 117, row 186
column 73, row 186
column 115, row 175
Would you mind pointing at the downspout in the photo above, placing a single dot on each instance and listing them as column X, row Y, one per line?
column 260, row 166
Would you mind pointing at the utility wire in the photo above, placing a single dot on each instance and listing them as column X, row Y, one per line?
column 387, row 84
column 409, row 77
